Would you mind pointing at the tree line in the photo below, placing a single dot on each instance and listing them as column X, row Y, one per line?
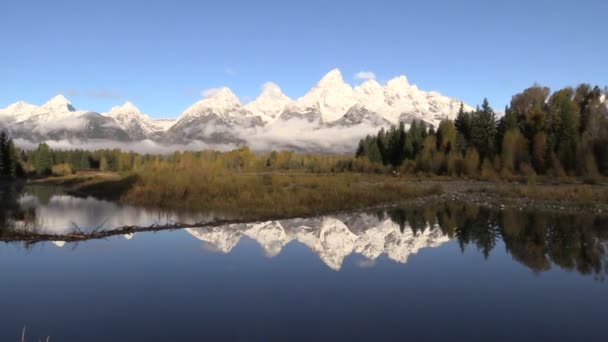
column 44, row 161
column 9, row 159
column 564, row 133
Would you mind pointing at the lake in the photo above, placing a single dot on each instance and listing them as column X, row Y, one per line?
column 431, row 272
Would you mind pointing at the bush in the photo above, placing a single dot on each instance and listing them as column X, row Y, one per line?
column 471, row 162
column 487, row 171
column 62, row 170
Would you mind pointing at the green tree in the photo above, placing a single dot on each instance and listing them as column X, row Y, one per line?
column 483, row 130
column 43, row 161
column 565, row 126
column 463, row 124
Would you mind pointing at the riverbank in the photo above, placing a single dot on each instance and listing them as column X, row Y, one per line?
column 247, row 196
column 281, row 195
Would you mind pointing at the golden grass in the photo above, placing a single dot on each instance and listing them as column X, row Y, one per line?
column 272, row 194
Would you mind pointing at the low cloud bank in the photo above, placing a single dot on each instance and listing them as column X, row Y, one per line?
column 143, row 146
column 296, row 134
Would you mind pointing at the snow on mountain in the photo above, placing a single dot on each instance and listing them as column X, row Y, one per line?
column 331, row 97
column 221, row 103
column 19, row 111
column 57, row 119
column 270, row 103
column 58, row 104
column 271, row 120
column 406, row 101
column 138, row 125
column 330, row 238
column 217, row 119
column 370, row 94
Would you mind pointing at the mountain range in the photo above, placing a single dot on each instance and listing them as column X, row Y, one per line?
column 332, row 109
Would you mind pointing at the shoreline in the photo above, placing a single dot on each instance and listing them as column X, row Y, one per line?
column 496, row 196
column 544, row 194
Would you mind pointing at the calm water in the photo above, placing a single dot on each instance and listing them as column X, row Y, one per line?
column 428, row 273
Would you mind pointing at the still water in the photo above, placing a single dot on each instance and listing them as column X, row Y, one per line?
column 435, row 272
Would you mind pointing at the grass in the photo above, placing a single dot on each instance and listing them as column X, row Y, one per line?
column 279, row 194
column 250, row 195
column 275, row 195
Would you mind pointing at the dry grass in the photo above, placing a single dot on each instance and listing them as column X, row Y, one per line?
column 273, row 195
column 251, row 195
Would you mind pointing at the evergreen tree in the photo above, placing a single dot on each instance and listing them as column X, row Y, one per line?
column 43, row 161
column 3, row 141
column 463, row 124
column 483, row 130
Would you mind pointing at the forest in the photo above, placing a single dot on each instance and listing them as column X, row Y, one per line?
column 560, row 134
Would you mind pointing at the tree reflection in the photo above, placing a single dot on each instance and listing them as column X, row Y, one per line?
column 536, row 239
column 11, row 212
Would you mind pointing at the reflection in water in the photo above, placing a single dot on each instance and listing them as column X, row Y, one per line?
column 328, row 237
column 538, row 240
column 48, row 210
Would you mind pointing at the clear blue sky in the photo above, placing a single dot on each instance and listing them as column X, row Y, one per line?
column 162, row 54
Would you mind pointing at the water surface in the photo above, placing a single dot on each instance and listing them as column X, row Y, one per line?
column 437, row 272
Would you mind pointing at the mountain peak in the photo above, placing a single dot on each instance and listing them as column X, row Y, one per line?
column 223, row 97
column 59, row 102
column 219, row 101
column 270, row 103
column 369, row 86
column 271, row 90
column 332, row 77
column 127, row 107
column 399, row 82
column 331, row 97
column 20, row 105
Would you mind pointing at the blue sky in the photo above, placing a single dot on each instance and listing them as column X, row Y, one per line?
column 162, row 54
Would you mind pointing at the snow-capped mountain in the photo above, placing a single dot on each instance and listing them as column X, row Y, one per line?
column 216, row 119
column 136, row 124
column 331, row 98
column 57, row 119
column 329, row 237
column 270, row 104
column 272, row 120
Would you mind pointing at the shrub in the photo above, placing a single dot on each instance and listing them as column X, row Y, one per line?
column 62, row 170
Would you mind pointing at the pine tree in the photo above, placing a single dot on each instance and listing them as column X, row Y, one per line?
column 483, row 130
column 463, row 123
column 43, row 159
column 5, row 157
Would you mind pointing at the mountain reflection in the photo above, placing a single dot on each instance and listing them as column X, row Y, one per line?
column 539, row 240
column 328, row 237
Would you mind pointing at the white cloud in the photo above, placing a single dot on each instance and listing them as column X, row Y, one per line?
column 231, row 71
column 302, row 135
column 365, row 75
column 210, row 92
column 144, row 146
column 295, row 134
